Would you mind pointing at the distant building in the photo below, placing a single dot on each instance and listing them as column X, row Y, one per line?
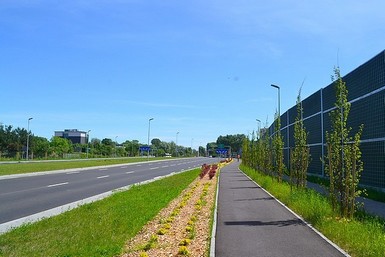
column 76, row 136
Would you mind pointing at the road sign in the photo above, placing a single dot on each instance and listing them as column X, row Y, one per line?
column 221, row 151
column 145, row 148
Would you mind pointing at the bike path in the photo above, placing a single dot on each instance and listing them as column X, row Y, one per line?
column 250, row 222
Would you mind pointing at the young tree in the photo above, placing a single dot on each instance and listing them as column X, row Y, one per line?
column 278, row 144
column 300, row 155
column 344, row 165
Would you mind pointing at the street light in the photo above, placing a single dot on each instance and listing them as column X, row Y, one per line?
column 28, row 138
column 259, row 125
column 88, row 141
column 148, row 139
column 279, row 99
column 176, row 145
column 115, row 145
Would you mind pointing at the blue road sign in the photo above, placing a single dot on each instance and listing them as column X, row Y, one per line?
column 145, row 148
column 221, row 151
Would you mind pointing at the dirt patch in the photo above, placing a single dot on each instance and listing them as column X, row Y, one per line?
column 180, row 229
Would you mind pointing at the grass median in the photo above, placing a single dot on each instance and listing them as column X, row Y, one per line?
column 362, row 236
column 96, row 229
column 29, row 167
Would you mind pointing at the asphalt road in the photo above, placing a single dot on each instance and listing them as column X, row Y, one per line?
column 26, row 195
column 250, row 222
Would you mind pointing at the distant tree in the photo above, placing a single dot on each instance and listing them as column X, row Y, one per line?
column 156, row 142
column 300, row 154
column 234, row 141
column 40, row 147
column 278, row 144
column 60, row 146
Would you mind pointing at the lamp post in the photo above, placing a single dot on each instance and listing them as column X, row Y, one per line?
column 192, row 141
column 176, row 144
column 88, row 141
column 28, row 139
column 279, row 99
column 259, row 126
column 148, row 138
column 115, row 145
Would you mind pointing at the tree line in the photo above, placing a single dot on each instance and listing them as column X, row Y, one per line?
column 13, row 143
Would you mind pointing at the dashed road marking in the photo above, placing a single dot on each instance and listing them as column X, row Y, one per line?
column 106, row 176
column 59, row 184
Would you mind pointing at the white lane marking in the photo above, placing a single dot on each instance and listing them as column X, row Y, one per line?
column 59, row 184
column 106, row 176
column 102, row 169
column 124, row 167
column 172, row 165
column 138, row 165
column 129, row 172
column 154, row 168
column 165, row 166
column 73, row 172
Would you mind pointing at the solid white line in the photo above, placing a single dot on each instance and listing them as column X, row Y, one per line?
column 59, row 184
column 106, row 176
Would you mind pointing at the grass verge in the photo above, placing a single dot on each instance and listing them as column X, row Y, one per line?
column 96, row 229
column 29, row 167
column 369, row 193
column 362, row 236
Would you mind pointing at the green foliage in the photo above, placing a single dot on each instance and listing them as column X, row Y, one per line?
column 183, row 250
column 277, row 147
column 343, row 160
column 234, row 141
column 300, row 155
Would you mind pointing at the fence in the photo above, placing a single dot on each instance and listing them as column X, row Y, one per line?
column 366, row 93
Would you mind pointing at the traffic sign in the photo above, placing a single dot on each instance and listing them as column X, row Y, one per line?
column 144, row 148
column 221, row 151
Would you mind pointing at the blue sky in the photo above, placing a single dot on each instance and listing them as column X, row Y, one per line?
column 202, row 68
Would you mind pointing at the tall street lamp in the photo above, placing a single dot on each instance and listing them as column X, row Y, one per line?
column 259, row 126
column 279, row 99
column 176, row 145
column 148, row 138
column 28, row 139
column 88, row 141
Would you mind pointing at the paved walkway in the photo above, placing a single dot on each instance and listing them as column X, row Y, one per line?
column 252, row 223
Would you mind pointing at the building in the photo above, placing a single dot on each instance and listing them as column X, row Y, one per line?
column 366, row 94
column 76, row 136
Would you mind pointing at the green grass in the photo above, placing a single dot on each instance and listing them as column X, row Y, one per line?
column 29, row 167
column 369, row 193
column 97, row 229
column 362, row 236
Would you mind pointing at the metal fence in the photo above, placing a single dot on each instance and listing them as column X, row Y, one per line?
column 366, row 93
